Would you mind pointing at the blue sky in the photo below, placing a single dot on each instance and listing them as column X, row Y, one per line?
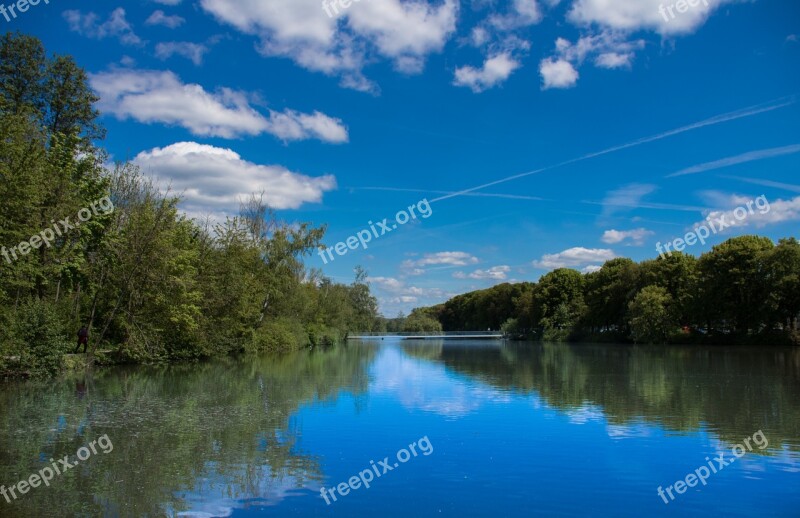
column 636, row 125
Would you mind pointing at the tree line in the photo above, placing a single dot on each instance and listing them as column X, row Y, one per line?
column 148, row 283
column 745, row 290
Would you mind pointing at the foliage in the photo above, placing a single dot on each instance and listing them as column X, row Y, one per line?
column 36, row 341
column 419, row 322
column 652, row 315
column 745, row 290
column 151, row 284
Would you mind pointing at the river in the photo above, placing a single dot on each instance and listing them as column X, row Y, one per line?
column 476, row 428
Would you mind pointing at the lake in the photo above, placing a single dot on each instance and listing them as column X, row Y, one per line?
column 435, row 428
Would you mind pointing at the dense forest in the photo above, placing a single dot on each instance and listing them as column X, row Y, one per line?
column 745, row 290
column 147, row 282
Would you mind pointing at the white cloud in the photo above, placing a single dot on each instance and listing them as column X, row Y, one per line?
column 292, row 125
column 479, row 36
column 497, row 273
column 405, row 32
column 495, row 70
column 441, row 259
column 612, row 237
column 523, row 13
column 404, row 299
column 557, row 74
column 614, row 60
column 763, row 213
column 387, row 283
column 151, row 96
column 634, row 15
column 168, row 2
column 408, row 30
column 610, row 25
column 610, row 49
column 574, row 257
column 215, row 180
column 591, row 268
column 115, row 26
column 159, row 18
column 191, row 51
column 400, row 294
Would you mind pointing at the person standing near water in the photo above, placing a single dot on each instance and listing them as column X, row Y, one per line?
column 83, row 339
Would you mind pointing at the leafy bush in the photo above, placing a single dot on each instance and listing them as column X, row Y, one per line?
column 511, row 327
column 37, row 340
column 323, row 336
column 279, row 335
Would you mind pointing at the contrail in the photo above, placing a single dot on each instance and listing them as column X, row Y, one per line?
column 766, row 183
column 481, row 194
column 718, row 119
column 739, row 159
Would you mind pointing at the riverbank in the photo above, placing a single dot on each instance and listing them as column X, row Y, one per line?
column 742, row 291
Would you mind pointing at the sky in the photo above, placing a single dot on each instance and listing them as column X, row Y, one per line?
column 542, row 133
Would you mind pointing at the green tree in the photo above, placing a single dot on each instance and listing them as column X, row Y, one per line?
column 783, row 270
column 677, row 273
column 652, row 315
column 419, row 322
column 560, row 297
column 608, row 293
column 733, row 287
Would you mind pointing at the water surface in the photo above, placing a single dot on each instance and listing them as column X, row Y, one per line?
column 514, row 430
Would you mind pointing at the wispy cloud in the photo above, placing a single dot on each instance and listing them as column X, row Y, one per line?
column 191, row 51
column 717, row 119
column 765, row 183
column 89, row 25
column 752, row 156
column 159, row 18
column 637, row 236
column 444, row 258
column 629, row 196
column 495, row 273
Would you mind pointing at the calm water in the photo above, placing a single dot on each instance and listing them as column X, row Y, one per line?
column 513, row 430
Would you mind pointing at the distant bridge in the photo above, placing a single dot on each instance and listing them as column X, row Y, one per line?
column 454, row 335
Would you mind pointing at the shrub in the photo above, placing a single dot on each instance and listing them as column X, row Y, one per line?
column 280, row 335
column 37, row 340
column 323, row 336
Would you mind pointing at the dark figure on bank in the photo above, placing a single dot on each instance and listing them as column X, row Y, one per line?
column 83, row 339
